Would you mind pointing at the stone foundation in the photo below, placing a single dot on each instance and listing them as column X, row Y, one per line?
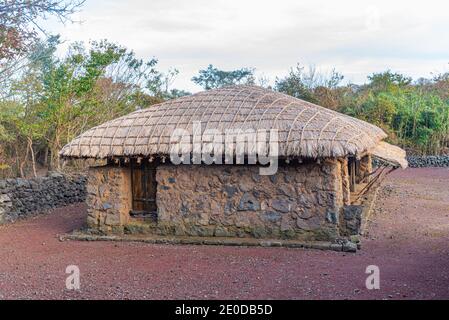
column 301, row 202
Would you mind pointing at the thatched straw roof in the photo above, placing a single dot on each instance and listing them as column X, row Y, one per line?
column 305, row 129
column 391, row 154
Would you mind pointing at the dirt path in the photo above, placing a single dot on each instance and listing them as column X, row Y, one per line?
column 408, row 240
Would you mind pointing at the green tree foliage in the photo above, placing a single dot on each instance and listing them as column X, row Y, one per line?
column 55, row 99
column 388, row 81
column 310, row 86
column 212, row 78
column 415, row 115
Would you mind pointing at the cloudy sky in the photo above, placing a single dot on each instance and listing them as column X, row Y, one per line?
column 355, row 37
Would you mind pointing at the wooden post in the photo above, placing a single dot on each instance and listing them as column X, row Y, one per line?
column 352, row 174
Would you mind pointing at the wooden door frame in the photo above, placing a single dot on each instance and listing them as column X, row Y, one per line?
column 148, row 170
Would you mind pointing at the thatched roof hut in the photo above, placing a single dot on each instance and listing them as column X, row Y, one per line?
column 303, row 200
column 305, row 129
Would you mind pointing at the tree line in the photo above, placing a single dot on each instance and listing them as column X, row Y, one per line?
column 47, row 99
column 414, row 114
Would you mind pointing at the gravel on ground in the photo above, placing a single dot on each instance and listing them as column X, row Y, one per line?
column 407, row 239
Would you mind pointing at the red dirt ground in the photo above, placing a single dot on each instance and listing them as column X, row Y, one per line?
column 408, row 240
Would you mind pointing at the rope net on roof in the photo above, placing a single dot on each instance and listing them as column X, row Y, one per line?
column 304, row 129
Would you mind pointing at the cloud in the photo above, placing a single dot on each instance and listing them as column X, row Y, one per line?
column 356, row 37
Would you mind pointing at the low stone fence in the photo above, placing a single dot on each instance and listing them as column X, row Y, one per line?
column 24, row 197
column 422, row 161
column 428, row 161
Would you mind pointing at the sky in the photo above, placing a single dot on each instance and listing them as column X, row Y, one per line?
column 356, row 38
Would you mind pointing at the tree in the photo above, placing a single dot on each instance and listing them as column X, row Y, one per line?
column 55, row 99
column 20, row 32
column 159, row 86
column 415, row 115
column 304, row 85
column 212, row 78
column 441, row 85
column 388, row 81
column 19, row 21
column 92, row 86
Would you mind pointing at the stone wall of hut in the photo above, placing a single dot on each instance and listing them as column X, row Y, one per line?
column 108, row 198
column 299, row 202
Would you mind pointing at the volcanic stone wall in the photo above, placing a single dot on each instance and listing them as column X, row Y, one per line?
column 428, row 161
column 302, row 201
column 298, row 202
column 23, row 197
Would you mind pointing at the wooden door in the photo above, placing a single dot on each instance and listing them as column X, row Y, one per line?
column 144, row 187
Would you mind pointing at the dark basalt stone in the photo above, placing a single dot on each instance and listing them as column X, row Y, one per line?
column 30, row 196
